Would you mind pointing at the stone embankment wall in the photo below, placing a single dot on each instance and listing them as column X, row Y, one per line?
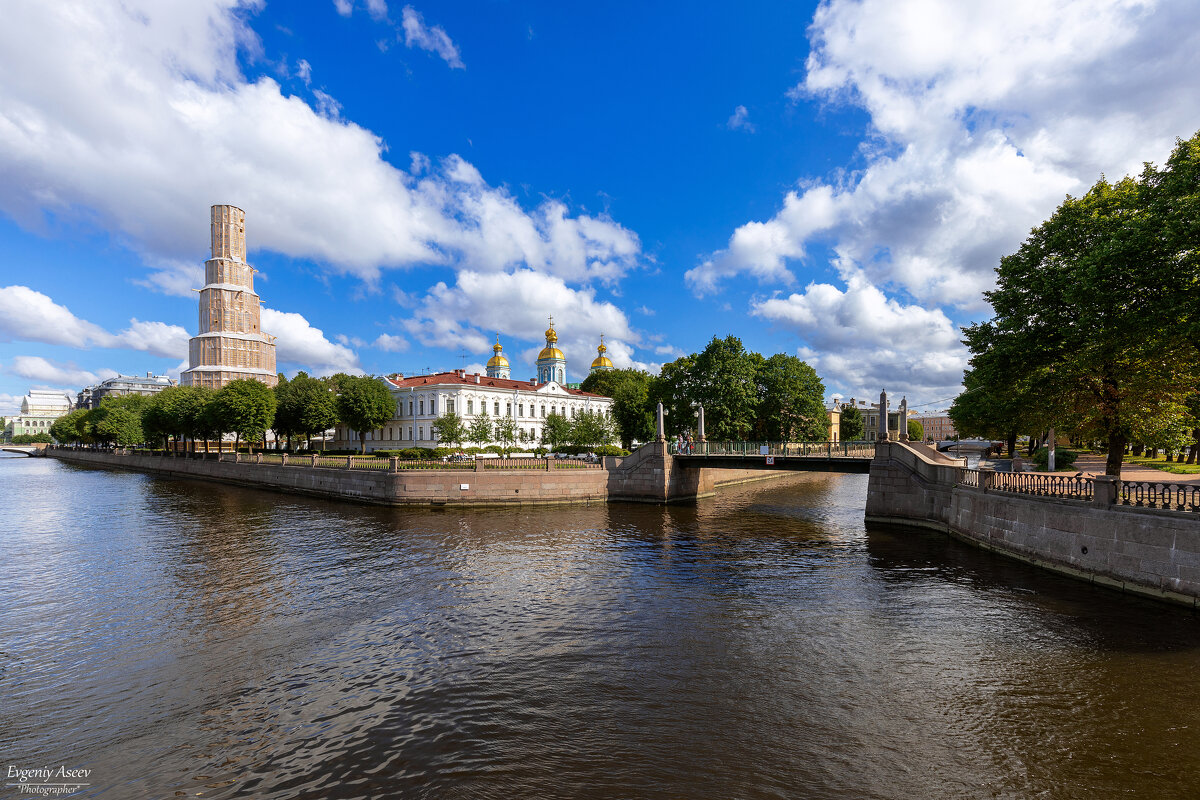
column 1152, row 552
column 647, row 475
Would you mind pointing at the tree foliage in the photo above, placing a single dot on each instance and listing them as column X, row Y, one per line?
column 243, row 407
column 450, row 428
column 556, row 430
column 480, row 430
column 851, row 427
column 1096, row 316
column 363, row 404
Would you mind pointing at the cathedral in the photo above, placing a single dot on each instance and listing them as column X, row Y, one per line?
column 421, row 399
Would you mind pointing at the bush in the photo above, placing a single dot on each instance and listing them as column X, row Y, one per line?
column 1063, row 458
column 610, row 450
column 32, row 438
column 494, row 448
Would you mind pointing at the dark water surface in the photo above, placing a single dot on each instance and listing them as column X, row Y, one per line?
column 180, row 638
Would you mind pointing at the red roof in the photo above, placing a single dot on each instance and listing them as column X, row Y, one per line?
column 468, row 379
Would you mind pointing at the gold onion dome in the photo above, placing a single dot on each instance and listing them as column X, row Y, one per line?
column 498, row 360
column 602, row 360
column 550, row 351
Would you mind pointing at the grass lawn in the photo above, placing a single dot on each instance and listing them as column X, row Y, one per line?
column 1165, row 466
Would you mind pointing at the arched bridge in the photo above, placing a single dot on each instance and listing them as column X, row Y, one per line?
column 854, row 457
column 25, row 450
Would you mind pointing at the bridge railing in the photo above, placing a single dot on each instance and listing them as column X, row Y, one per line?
column 759, row 449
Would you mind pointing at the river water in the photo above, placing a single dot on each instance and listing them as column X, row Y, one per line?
column 179, row 639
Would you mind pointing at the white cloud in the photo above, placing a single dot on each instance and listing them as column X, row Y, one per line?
column 740, row 120
column 390, row 344
column 10, row 404
column 864, row 341
column 300, row 344
column 39, row 369
column 304, row 71
column 468, row 314
column 344, row 7
column 983, row 116
column 377, row 9
column 30, row 316
column 140, row 139
column 432, row 38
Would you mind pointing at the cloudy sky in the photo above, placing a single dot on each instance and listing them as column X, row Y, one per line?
column 834, row 180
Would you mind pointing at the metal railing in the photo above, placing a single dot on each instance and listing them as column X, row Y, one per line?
column 1067, row 487
column 857, row 449
column 1144, row 494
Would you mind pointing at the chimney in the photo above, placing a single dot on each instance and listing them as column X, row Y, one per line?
column 477, row 377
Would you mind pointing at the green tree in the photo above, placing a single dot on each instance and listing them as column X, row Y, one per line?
column 506, row 433
column 590, row 430
column 363, row 404
column 450, row 428
column 916, row 431
column 556, row 430
column 632, row 407
column 72, row 427
column 480, row 429
column 117, row 425
column 851, row 427
column 791, row 404
column 1095, row 301
column 245, row 408
column 724, row 380
column 312, row 406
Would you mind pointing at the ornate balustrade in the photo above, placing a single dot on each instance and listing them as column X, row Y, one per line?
column 1144, row 494
column 800, row 449
column 1138, row 494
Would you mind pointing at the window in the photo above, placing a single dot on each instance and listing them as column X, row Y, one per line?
column 520, row 409
column 433, row 406
column 410, row 433
column 543, row 412
column 421, row 406
column 410, row 414
column 497, row 408
column 421, row 433
column 508, row 410
column 449, row 406
column 470, row 406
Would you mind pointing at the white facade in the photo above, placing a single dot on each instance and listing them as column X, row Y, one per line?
column 39, row 410
column 422, row 399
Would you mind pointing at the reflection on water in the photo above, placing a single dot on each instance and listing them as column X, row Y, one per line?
column 184, row 637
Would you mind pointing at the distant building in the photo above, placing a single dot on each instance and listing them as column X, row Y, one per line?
column 421, row 399
column 39, row 409
column 123, row 385
column 834, row 414
column 870, row 415
column 230, row 344
column 938, row 427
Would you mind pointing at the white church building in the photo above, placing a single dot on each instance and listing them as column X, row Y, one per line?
column 421, row 399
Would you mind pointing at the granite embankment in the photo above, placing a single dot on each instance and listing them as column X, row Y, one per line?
column 1134, row 536
column 648, row 475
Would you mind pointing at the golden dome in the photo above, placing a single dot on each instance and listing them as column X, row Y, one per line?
column 602, row 361
column 551, row 336
column 551, row 352
column 497, row 360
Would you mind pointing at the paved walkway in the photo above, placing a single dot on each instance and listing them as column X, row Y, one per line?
column 1094, row 465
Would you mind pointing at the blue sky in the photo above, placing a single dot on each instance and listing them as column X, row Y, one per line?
column 835, row 181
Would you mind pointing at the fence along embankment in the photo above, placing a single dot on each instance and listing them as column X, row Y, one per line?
column 1137, row 536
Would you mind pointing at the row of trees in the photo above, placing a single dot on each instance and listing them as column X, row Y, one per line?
column 247, row 409
column 588, row 430
column 1097, row 320
column 744, row 395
